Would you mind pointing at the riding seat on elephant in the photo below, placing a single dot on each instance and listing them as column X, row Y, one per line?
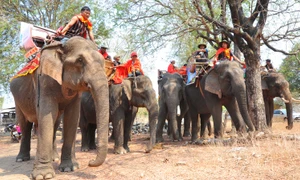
column 55, row 87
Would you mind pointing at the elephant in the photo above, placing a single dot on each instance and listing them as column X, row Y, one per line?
column 55, row 87
column 87, row 122
column 171, row 95
column 222, row 85
column 138, row 92
column 275, row 85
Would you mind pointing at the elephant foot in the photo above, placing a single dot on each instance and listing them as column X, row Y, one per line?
column 68, row 166
column 84, row 149
column 120, row 150
column 149, row 148
column 43, row 171
column 186, row 134
column 92, row 146
column 126, row 148
column 159, row 139
column 23, row 157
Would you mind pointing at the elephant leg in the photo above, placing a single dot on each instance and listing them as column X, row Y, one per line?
column 84, row 138
column 236, row 118
column 162, row 115
column 209, row 127
column 187, row 125
column 217, row 118
column 153, row 116
column 71, row 121
column 269, row 108
column 91, row 136
column 134, row 112
column 26, row 126
column 127, row 128
column 179, row 119
column 118, row 126
column 204, row 122
column 195, row 125
column 55, row 155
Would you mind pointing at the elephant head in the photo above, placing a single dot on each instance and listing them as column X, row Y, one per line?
column 275, row 85
column 78, row 66
column 226, row 80
column 172, row 94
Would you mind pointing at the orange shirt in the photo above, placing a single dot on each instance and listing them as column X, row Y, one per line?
column 171, row 69
column 136, row 65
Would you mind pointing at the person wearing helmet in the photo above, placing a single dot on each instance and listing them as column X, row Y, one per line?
column 104, row 53
column 133, row 66
column 201, row 54
column 224, row 53
column 269, row 66
column 172, row 68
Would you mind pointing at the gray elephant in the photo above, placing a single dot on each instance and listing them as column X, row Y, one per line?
column 275, row 85
column 87, row 122
column 223, row 85
column 136, row 92
column 55, row 88
column 171, row 95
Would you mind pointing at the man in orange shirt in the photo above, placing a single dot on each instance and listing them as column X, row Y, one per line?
column 133, row 66
column 172, row 68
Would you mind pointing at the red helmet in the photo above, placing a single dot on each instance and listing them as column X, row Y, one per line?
column 133, row 54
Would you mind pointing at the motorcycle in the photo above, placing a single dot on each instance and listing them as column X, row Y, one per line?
column 15, row 132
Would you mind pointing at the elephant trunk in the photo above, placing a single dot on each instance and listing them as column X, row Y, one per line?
column 240, row 94
column 153, row 117
column 101, row 99
column 172, row 119
column 289, row 108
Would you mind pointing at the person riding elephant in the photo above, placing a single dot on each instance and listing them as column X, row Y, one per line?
column 54, row 88
column 87, row 122
column 171, row 95
column 275, row 85
column 223, row 85
column 136, row 92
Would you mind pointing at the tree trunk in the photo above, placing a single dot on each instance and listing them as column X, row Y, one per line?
column 254, row 91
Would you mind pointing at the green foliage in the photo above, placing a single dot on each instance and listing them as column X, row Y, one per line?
column 1, row 102
column 290, row 68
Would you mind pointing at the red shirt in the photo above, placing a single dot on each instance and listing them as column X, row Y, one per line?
column 171, row 69
column 136, row 65
column 103, row 54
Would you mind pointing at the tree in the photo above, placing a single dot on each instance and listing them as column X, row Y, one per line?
column 50, row 14
column 290, row 68
column 155, row 23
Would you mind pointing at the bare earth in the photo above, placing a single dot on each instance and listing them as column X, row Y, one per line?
column 267, row 158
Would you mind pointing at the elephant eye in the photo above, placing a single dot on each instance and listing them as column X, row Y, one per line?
column 79, row 60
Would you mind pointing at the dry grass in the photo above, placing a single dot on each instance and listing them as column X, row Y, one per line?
column 268, row 158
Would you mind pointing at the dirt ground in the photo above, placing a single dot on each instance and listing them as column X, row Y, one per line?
column 267, row 158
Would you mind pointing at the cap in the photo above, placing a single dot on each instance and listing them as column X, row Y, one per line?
column 116, row 57
column 103, row 47
column 201, row 44
column 133, row 54
column 268, row 60
column 172, row 61
column 224, row 41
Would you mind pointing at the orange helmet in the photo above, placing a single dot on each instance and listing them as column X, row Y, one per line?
column 133, row 54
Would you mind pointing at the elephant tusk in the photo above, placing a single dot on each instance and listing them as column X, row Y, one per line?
column 285, row 101
column 296, row 100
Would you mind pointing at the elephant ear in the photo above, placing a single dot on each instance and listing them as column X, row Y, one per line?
column 264, row 85
column 51, row 61
column 212, row 83
column 127, row 88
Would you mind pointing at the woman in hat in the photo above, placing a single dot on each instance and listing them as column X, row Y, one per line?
column 224, row 53
column 201, row 54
